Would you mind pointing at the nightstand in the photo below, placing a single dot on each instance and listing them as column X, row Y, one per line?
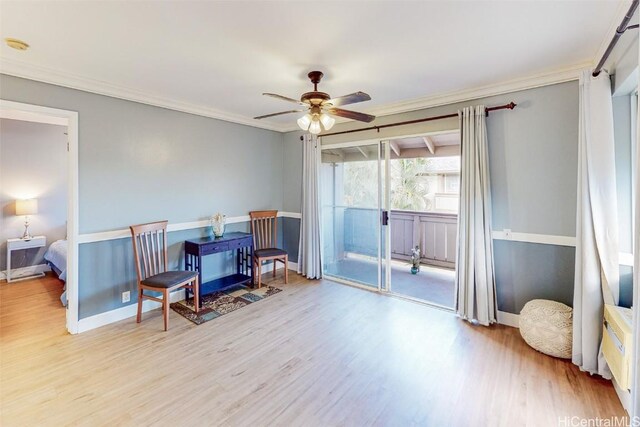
column 18, row 245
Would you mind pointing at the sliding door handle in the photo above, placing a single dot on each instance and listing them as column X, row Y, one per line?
column 385, row 217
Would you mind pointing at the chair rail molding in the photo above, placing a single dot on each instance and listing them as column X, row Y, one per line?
column 625, row 259
column 124, row 233
column 545, row 239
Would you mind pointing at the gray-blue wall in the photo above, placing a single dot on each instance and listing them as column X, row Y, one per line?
column 140, row 163
column 533, row 159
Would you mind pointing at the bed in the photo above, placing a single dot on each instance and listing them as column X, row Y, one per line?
column 56, row 258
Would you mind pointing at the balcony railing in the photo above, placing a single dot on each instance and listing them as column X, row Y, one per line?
column 354, row 230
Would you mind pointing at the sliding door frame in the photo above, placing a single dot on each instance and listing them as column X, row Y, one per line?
column 378, row 144
column 384, row 204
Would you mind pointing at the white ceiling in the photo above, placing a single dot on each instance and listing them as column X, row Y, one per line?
column 218, row 57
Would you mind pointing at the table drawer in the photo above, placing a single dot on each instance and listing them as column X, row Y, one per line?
column 215, row 247
column 35, row 242
column 240, row 243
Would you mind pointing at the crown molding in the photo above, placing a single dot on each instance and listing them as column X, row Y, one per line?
column 25, row 70
column 530, row 82
column 516, row 85
column 29, row 71
column 623, row 7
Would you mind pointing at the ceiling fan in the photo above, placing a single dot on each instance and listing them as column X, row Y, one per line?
column 320, row 107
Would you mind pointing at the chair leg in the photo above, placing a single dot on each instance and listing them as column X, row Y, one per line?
column 139, row 317
column 165, row 309
column 259, row 274
column 196, row 294
column 275, row 267
column 286, row 269
column 254, row 272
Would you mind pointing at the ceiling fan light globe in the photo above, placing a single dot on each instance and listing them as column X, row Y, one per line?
column 327, row 121
column 315, row 128
column 304, row 121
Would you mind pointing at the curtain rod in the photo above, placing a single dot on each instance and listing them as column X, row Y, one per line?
column 624, row 26
column 509, row 106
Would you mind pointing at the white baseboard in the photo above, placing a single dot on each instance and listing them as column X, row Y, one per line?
column 131, row 310
column 122, row 313
column 16, row 273
column 623, row 395
column 509, row 319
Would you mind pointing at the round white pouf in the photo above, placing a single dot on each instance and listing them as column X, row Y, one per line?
column 547, row 326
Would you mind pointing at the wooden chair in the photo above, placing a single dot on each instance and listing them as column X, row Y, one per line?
column 264, row 227
column 150, row 252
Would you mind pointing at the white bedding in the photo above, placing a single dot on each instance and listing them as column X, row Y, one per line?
column 56, row 257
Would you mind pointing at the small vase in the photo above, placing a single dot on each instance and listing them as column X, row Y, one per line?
column 217, row 225
column 414, row 270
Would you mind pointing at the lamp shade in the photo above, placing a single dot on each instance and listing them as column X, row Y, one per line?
column 327, row 121
column 315, row 128
column 27, row 207
column 304, row 121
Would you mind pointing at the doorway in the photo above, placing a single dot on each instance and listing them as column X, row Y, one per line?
column 69, row 120
column 389, row 212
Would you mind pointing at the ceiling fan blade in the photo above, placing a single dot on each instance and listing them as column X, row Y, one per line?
column 352, row 98
column 353, row 115
column 279, row 114
column 284, row 98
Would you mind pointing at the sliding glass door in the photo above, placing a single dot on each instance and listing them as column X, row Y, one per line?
column 352, row 213
column 389, row 215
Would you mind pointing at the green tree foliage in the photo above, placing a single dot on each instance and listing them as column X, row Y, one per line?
column 409, row 188
column 361, row 184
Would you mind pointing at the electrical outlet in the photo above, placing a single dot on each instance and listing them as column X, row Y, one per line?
column 126, row 296
column 507, row 233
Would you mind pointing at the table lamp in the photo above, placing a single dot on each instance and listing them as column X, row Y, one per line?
column 26, row 207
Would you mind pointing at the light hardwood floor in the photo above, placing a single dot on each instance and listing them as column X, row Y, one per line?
column 316, row 354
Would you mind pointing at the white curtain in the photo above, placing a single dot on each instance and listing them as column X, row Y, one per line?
column 476, row 291
column 635, row 385
column 310, row 246
column 597, row 272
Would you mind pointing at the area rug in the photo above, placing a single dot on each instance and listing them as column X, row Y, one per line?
column 223, row 302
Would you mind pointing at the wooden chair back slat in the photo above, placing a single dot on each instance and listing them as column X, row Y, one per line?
column 147, row 258
column 150, row 248
column 142, row 254
column 264, row 227
column 154, row 258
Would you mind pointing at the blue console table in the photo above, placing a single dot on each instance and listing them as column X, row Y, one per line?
column 241, row 243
